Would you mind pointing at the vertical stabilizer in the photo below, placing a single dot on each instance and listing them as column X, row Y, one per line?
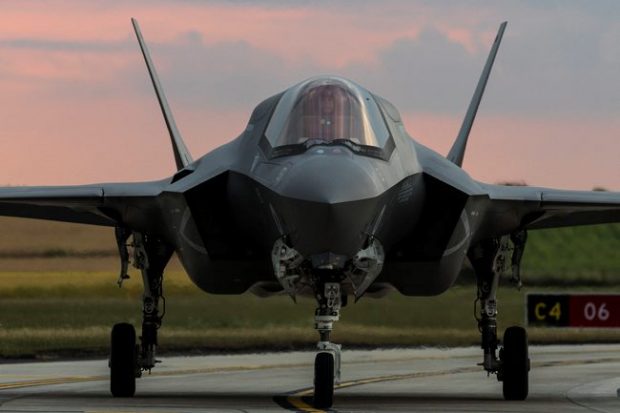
column 181, row 154
column 457, row 152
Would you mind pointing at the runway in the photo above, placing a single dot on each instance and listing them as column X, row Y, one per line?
column 563, row 378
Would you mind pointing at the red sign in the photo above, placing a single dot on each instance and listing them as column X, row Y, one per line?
column 594, row 310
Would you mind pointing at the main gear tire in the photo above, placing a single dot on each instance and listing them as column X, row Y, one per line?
column 515, row 364
column 123, row 360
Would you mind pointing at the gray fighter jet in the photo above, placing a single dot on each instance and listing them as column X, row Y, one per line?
column 323, row 194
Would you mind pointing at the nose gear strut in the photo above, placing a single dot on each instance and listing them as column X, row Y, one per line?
column 326, row 273
column 328, row 359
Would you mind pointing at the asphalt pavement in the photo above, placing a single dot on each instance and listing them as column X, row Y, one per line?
column 563, row 379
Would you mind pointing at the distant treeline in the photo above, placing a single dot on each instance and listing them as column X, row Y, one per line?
column 57, row 253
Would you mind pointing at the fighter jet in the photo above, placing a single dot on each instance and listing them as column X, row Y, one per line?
column 324, row 194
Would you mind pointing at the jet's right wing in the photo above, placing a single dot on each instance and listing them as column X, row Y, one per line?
column 523, row 207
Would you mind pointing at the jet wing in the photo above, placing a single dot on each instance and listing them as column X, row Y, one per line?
column 536, row 208
column 103, row 204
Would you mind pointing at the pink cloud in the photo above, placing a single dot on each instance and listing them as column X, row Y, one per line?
column 53, row 132
column 553, row 152
column 335, row 40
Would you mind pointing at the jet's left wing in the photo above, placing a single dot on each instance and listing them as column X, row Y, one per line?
column 522, row 207
column 103, row 204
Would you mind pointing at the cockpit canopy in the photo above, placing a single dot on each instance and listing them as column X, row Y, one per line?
column 324, row 111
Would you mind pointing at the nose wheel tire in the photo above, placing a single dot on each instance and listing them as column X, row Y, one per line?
column 324, row 380
column 123, row 360
column 515, row 364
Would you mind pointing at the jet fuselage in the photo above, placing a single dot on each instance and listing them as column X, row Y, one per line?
column 327, row 201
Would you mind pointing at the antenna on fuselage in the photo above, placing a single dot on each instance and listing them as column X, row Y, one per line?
column 182, row 156
column 457, row 152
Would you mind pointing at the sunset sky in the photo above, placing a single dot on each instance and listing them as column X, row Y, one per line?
column 76, row 104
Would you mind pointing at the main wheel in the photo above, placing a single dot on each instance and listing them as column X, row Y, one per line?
column 515, row 364
column 324, row 380
column 123, row 360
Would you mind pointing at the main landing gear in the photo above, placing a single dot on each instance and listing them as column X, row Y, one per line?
column 127, row 358
column 327, row 361
column 513, row 364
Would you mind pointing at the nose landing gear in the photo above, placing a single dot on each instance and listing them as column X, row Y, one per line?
column 327, row 361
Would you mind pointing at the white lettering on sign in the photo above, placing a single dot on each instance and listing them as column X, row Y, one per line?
column 591, row 313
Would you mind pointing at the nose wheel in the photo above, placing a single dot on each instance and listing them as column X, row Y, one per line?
column 324, row 380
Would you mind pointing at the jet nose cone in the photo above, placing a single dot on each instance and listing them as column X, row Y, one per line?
column 331, row 179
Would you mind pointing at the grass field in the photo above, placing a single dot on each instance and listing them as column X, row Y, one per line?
column 583, row 255
column 64, row 313
column 58, row 297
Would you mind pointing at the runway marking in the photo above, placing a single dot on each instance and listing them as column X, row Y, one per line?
column 204, row 370
column 300, row 405
column 81, row 379
column 297, row 398
column 179, row 372
column 50, row 381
